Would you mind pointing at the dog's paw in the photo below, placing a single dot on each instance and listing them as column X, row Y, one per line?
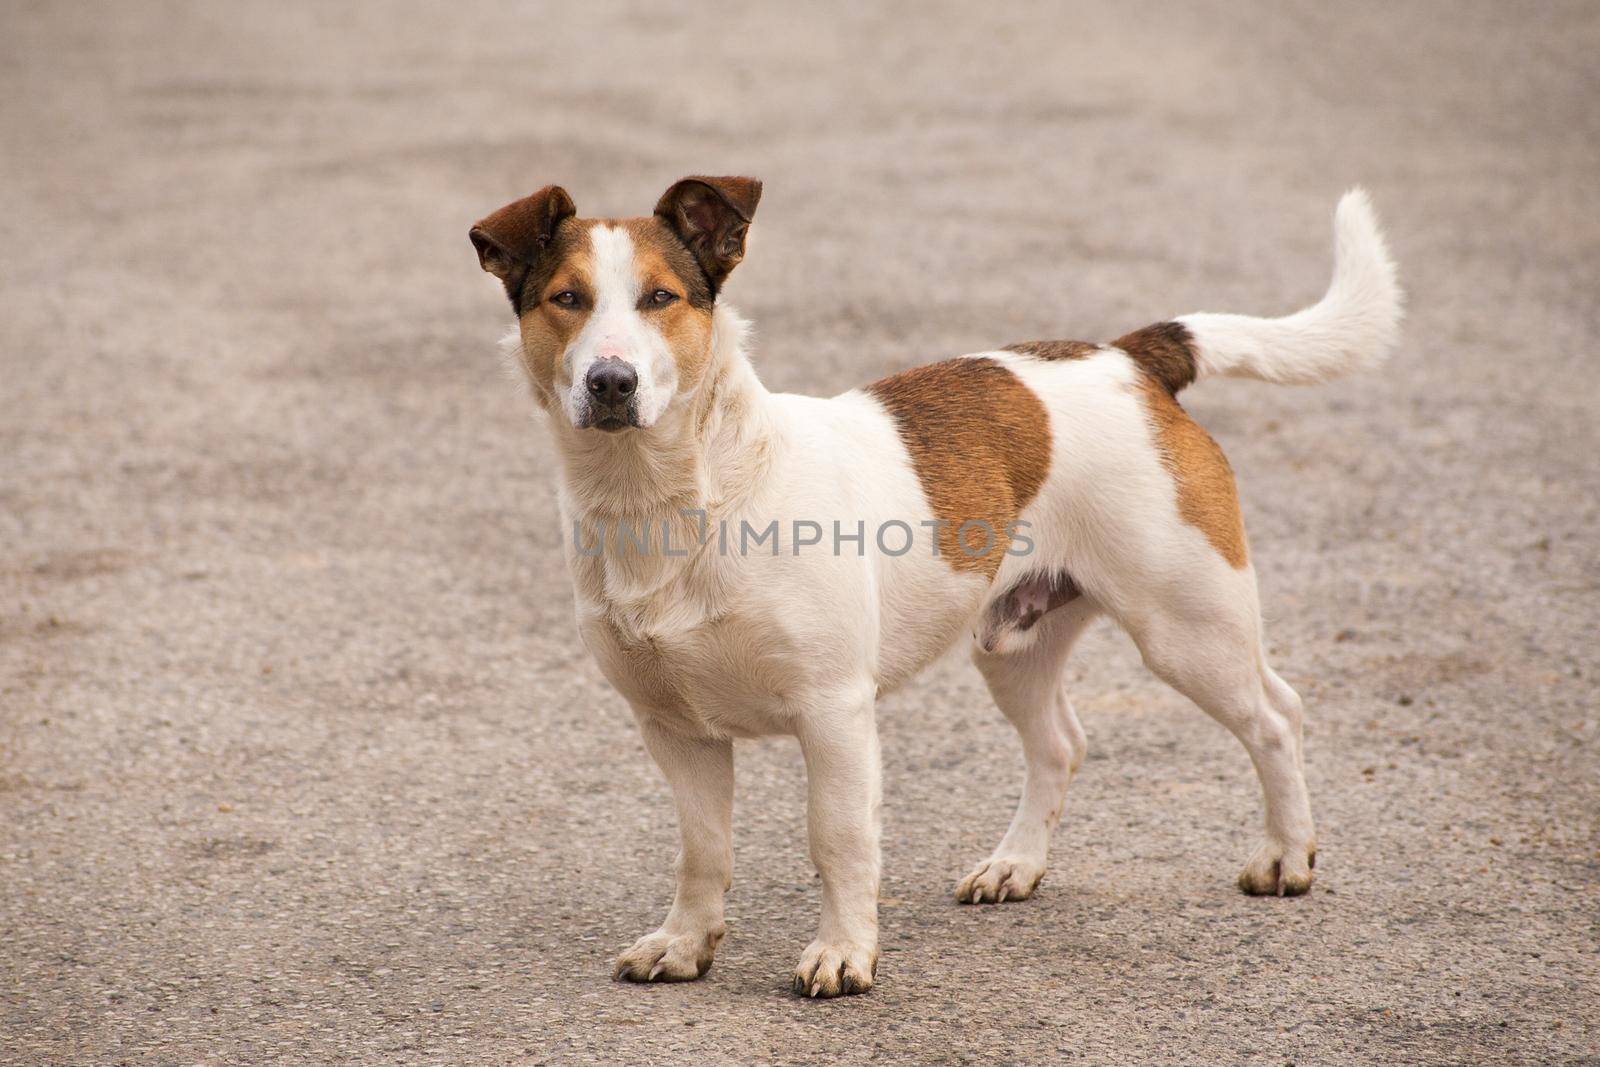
column 998, row 879
column 835, row 969
column 667, row 957
column 1278, row 871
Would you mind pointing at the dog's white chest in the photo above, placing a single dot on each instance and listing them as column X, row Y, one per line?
column 721, row 676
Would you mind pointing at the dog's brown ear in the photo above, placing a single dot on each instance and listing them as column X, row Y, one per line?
column 712, row 216
column 512, row 240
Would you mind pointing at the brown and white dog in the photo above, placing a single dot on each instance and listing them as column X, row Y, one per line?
column 1009, row 496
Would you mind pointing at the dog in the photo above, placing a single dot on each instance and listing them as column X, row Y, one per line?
column 1007, row 497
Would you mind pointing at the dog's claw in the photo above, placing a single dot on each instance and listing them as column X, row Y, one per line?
column 1278, row 871
column 663, row 957
column 835, row 970
column 996, row 881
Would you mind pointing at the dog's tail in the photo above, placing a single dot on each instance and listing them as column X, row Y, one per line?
column 1352, row 327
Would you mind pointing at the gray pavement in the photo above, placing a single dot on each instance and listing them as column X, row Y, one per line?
column 299, row 758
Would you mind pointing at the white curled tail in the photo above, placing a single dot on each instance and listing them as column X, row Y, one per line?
column 1352, row 327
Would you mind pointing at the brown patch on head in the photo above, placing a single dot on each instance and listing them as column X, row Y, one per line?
column 712, row 217
column 514, row 240
column 1053, row 350
column 1207, row 498
column 664, row 257
column 1164, row 351
column 980, row 441
column 546, row 327
column 664, row 262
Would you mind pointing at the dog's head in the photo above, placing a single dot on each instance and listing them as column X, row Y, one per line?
column 615, row 315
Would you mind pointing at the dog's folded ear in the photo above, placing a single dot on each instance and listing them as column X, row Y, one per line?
column 712, row 216
column 510, row 241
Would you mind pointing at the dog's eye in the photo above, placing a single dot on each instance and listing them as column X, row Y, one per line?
column 566, row 298
column 661, row 298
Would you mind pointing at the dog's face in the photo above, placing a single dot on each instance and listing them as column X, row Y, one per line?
column 615, row 315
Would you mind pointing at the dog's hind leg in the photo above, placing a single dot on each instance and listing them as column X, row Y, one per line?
column 1027, row 686
column 1206, row 644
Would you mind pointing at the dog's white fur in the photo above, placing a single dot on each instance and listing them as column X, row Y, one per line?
column 710, row 646
column 1351, row 328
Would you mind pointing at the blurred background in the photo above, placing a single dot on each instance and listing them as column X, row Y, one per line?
column 299, row 756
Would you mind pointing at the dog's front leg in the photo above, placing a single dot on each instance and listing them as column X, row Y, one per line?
column 840, row 743
column 700, row 772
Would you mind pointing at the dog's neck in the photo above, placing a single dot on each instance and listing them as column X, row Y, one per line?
column 705, row 453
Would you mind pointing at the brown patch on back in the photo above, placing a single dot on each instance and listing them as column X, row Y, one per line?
column 980, row 441
column 1054, row 350
column 1164, row 351
column 1207, row 498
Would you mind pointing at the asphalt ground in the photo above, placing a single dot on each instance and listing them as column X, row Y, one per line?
column 300, row 760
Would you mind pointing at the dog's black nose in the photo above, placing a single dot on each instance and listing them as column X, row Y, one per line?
column 611, row 381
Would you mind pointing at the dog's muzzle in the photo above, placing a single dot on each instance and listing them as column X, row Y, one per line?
column 612, row 386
